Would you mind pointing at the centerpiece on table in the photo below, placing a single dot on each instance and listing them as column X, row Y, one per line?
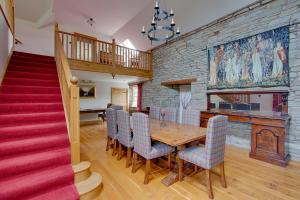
column 162, row 114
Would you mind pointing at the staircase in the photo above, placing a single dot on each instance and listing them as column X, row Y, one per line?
column 34, row 144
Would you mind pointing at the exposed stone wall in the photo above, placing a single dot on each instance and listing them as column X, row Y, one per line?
column 187, row 58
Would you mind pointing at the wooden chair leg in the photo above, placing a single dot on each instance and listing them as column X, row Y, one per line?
column 147, row 172
column 119, row 151
column 134, row 162
column 115, row 148
column 108, row 143
column 169, row 161
column 208, row 184
column 180, row 169
column 128, row 160
column 195, row 168
column 222, row 173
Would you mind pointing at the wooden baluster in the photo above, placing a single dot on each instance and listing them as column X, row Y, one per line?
column 130, row 58
column 150, row 60
column 114, row 55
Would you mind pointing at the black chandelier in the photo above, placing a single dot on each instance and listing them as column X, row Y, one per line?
column 161, row 23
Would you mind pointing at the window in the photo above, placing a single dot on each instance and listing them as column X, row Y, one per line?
column 133, row 96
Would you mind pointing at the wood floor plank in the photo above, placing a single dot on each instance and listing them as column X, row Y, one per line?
column 247, row 179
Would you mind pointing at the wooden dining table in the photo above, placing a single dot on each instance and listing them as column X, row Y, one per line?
column 176, row 135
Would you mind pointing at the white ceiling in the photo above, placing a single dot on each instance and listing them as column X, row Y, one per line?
column 32, row 10
column 102, row 77
column 122, row 19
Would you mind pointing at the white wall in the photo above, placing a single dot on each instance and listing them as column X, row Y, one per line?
column 103, row 97
column 6, row 45
column 35, row 40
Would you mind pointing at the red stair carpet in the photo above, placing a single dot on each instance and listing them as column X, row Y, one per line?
column 34, row 146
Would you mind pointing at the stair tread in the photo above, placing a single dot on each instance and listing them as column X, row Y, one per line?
column 29, row 82
column 31, row 69
column 32, row 55
column 29, row 98
column 21, row 145
column 68, row 192
column 93, row 182
column 34, row 182
column 30, row 130
column 31, row 75
column 28, row 118
column 82, row 166
column 33, row 160
column 23, row 107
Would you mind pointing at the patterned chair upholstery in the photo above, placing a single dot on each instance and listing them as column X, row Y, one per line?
column 143, row 145
column 154, row 112
column 210, row 155
column 124, row 130
column 112, row 129
column 191, row 117
column 171, row 114
column 124, row 135
column 142, row 139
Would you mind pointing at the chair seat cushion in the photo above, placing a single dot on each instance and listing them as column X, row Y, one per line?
column 159, row 149
column 195, row 155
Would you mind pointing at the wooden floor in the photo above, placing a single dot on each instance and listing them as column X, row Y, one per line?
column 246, row 178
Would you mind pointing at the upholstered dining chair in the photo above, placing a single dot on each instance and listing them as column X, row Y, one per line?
column 143, row 145
column 112, row 130
column 171, row 114
column 154, row 112
column 191, row 117
column 124, row 135
column 210, row 155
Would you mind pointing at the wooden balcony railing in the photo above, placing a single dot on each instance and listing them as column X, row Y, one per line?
column 70, row 94
column 84, row 48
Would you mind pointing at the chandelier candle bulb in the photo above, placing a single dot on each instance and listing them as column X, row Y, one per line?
column 172, row 22
column 143, row 30
column 156, row 5
column 171, row 12
column 178, row 30
column 153, row 21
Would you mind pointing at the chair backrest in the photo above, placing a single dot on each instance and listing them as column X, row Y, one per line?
column 215, row 140
column 171, row 114
column 124, row 130
column 141, row 134
column 117, row 107
column 112, row 129
column 191, row 117
column 154, row 112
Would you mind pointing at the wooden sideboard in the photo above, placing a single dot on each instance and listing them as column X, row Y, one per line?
column 269, row 130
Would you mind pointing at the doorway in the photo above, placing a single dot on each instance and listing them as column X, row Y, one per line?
column 119, row 96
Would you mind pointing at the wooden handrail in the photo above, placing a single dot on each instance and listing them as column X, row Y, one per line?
column 7, row 7
column 70, row 94
column 79, row 47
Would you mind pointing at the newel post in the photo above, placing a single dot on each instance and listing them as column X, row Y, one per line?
column 74, row 121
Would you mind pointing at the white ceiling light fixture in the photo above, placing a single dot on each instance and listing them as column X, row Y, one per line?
column 162, row 25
